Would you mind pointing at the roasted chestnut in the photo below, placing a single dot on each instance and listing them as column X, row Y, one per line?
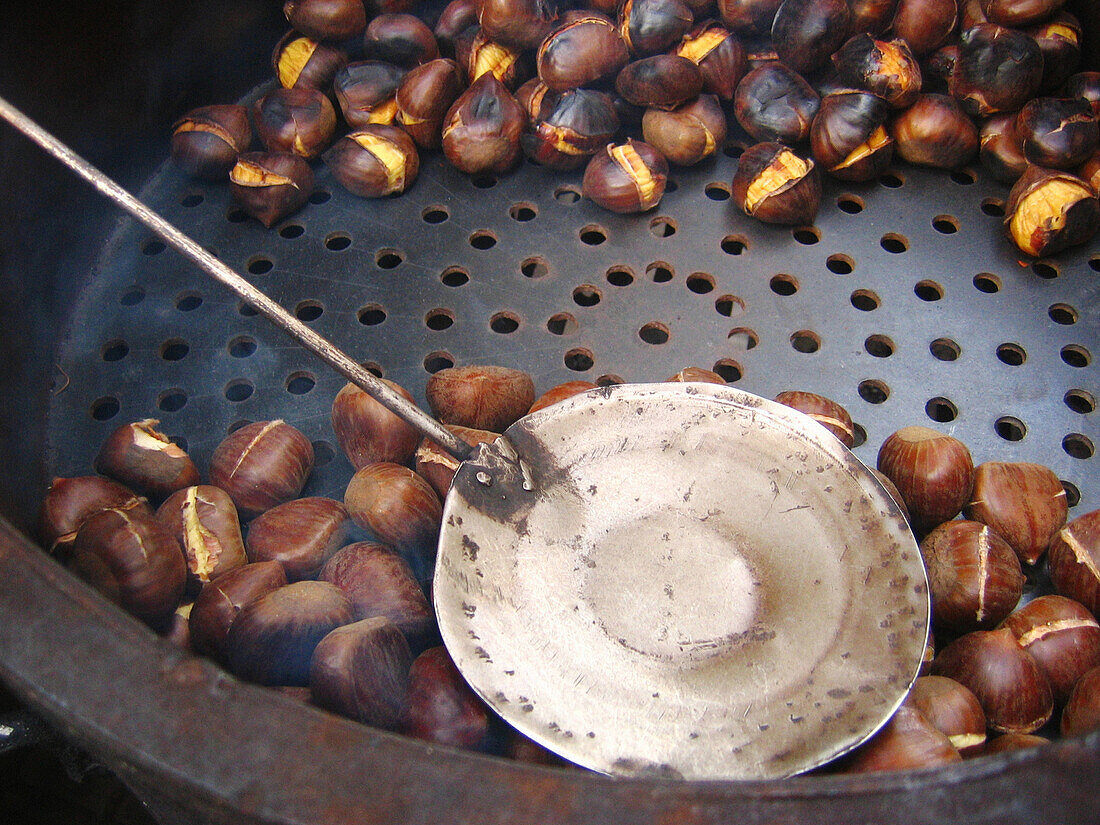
column 326, row 19
column 826, row 412
column 442, row 707
column 687, row 134
column 1082, row 712
column 218, row 603
column 567, row 390
column 1074, row 560
column 1086, row 85
column 584, row 51
column 1058, row 133
column 204, row 521
column 872, row 16
column 997, row 70
column 570, row 127
column 485, row 55
column 482, row 129
column 907, row 742
column 1089, row 171
column 1059, row 40
column 146, row 460
column 261, row 465
column 1062, row 636
column 653, row 26
column 424, row 97
column 952, row 709
column 402, row 39
column 301, row 535
column 848, row 136
column 1006, row 742
column 521, row 24
column 399, row 508
column 719, row 56
column 300, row 121
column 457, row 16
column 484, row 397
column 374, row 161
column 687, row 375
column 270, row 186
column 806, row 32
column 1019, row 12
column 1000, row 150
column 69, row 502
column 366, row 92
column 971, row 14
column 774, row 103
column 938, row 68
column 935, row 131
column 775, row 185
column 206, row 141
column 934, row 473
column 1049, row 210
column 303, row 61
column 1024, row 503
column 438, row 466
column 663, row 81
column 885, row 68
column 749, row 16
column 925, row 24
column 625, row 178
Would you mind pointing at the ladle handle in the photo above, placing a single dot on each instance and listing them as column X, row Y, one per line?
column 320, row 346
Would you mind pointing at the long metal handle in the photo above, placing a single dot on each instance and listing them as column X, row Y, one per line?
column 320, row 346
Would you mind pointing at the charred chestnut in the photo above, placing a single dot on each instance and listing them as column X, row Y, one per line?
column 269, row 186
column 1085, row 85
column 569, row 128
column 262, row 465
column 303, row 61
column 374, row 161
column 935, row 131
column 299, row 121
column 719, row 56
column 848, row 136
column 1059, row 41
column 872, row 16
column 998, row 70
column 326, row 19
column 580, row 53
column 625, row 178
column 366, row 92
column 402, row 39
column 485, row 397
column 219, row 602
column 206, row 141
column 749, row 16
column 482, row 129
column 938, row 68
column 1000, row 149
column 424, row 97
column 1058, row 133
column 204, row 521
column 806, row 32
column 69, row 502
column 503, row 62
column 687, row 134
column 146, row 460
column 775, row 185
column 301, row 535
column 1049, row 211
column 885, row 68
column 774, row 103
column 925, row 24
column 653, row 26
column 1019, row 12
column 662, row 81
column 521, row 24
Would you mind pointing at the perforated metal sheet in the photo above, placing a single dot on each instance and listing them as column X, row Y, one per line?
column 903, row 302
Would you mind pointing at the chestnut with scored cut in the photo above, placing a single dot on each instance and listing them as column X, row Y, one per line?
column 207, row 140
column 951, row 709
column 1022, row 502
column 301, row 535
column 936, row 132
column 204, row 521
column 1000, row 150
column 925, row 24
column 1049, row 210
column 653, row 26
column 326, row 19
column 626, row 178
column 300, row 121
column 261, row 465
column 663, row 81
column 366, row 92
column 848, row 136
column 69, row 502
column 1057, row 133
column 438, row 466
column 583, row 52
column 1074, row 560
column 218, row 603
column 509, row 66
column 399, row 508
column 805, row 33
column 774, row 103
column 367, row 431
column 568, row 128
column 934, row 473
column 719, row 56
column 146, row 460
column 1062, row 636
column 482, row 129
column 402, row 39
column 908, row 741
column 424, row 97
column 997, row 70
column 687, row 134
column 1059, row 40
column 270, row 186
column 442, row 707
column 303, row 61
column 885, row 68
column 775, row 185
column 826, row 412
column 484, row 397
column 374, row 161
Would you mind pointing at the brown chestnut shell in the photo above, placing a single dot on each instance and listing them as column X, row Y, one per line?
column 933, row 472
column 1024, row 503
column 997, row 70
column 204, row 521
column 270, row 186
column 583, row 52
column 326, row 19
column 1049, row 210
column 261, row 465
column 218, row 603
column 301, row 535
column 424, row 97
column 299, row 121
column 775, row 103
column 481, row 131
column 775, row 185
column 374, row 161
column 805, row 33
column 1074, row 560
column 626, row 178
column 144, row 459
column 484, row 397
column 207, row 140
column 689, row 133
column 936, row 132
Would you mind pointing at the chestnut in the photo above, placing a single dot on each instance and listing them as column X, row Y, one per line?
column 1074, row 560
column 484, row 55
column 719, row 56
column 806, row 32
column 925, row 24
column 1062, row 636
column 273, row 637
column 938, row 68
column 366, row 92
column 685, row 376
column 146, row 460
column 569, row 127
column 204, row 521
column 207, row 140
column 971, row 14
column 774, row 103
column 361, row 671
column 885, row 68
column 1049, row 210
column 566, row 390
column 848, row 136
column 935, row 131
column 749, row 16
column 1082, row 712
column 583, row 52
column 997, row 70
column 69, row 502
column 484, row 397
column 301, row 535
column 218, row 603
column 826, row 412
column 1019, row 12
column 482, row 129
column 775, row 185
column 132, row 560
column 270, row 186
column 531, row 96
column 303, row 61
column 399, row 508
column 1058, row 133
column 974, row 577
column 952, row 709
column 368, row 432
column 374, row 161
column 625, row 178
column 442, row 708
column 424, row 97
column 650, row 27
column 175, row 630
column 872, row 16
column 1059, row 40
column 457, row 16
column 402, row 39
column 326, row 19
column 688, row 134
column 908, row 741
column 1089, row 171
column 299, row 121
column 1009, row 684
column 378, row 582
column 933, row 472
column 521, row 24
column 663, row 81
column 1012, row 742
column 1024, row 503
column 438, row 466
column 1085, row 85
column 1000, row 150
column 261, row 465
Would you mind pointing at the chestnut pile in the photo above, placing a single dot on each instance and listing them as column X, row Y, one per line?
column 627, row 87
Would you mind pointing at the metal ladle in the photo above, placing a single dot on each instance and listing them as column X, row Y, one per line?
column 674, row 579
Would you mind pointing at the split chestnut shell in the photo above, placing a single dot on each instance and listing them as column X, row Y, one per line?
column 775, row 185
column 625, row 178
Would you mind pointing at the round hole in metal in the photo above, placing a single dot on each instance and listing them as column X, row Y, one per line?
column 993, row 207
column 320, row 196
column 945, row 224
column 1073, row 495
column 700, row 283
column 1012, row 354
column 172, row 400
column 987, row 282
column 454, row 276
column 1080, row 401
column 609, row 380
column 535, row 268
column 323, row 453
column 1010, row 428
column 132, row 296
column 561, row 324
column 239, row 389
column 504, row 323
column 174, row 349
column 292, row 231
column 729, row 306
column 891, row 180
column 236, row 215
column 782, row 284
column 247, row 310
column 579, row 359
column 850, row 204
column 963, row 177
column 859, row 435
column 337, row 242
column 879, row 346
column 806, row 235
column 439, row 360
column 735, row 244
column 115, row 350
column 620, row 276
column 300, row 383
column 593, row 235
column 1062, row 314
column 865, row 300
column 928, row 291
column 743, row 338
column 894, row 243
column 660, row 272
column 1075, row 355
column 371, row 315
column 944, row 349
column 309, row 310
column 733, row 150
column 873, row 391
column 523, row 212
column 259, row 265
column 671, row 185
column 654, row 332
column 389, row 258
column 440, row 319
column 941, row 410
column 717, row 191
column 191, row 200
column 483, row 239
column 729, row 369
column 483, row 181
column 1094, row 263
column 840, row 264
column 662, row 227
column 236, row 425
column 105, row 408
column 587, row 295
column 435, row 214
column 806, row 341
column 188, row 301
column 153, row 247
column 242, row 346
column 567, row 194
column 374, row 368
column 1047, row 270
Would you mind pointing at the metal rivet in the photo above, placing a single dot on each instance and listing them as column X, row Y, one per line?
column 484, row 478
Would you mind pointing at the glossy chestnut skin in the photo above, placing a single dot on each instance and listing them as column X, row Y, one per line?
column 299, row 121
column 908, row 741
column 301, row 535
column 1085, row 85
column 1074, row 560
column 144, row 459
column 806, row 32
column 1006, row 742
column 925, row 24
column 626, row 178
column 938, row 67
column 368, row 432
column 774, row 185
column 273, row 637
column 998, row 70
column 663, row 81
column 457, row 16
column 521, row 24
column 303, row 61
column 569, row 127
column 749, row 16
column 218, row 603
column 687, row 134
column 774, row 103
column 1019, row 12
column 482, row 129
column 204, row 521
column 719, row 56
column 402, row 39
column 1059, row 40
column 885, row 68
column 207, row 140
column 653, row 26
column 270, row 186
column 936, row 132
column 1058, row 133
column 1082, row 712
column 848, row 135
column 1049, row 210
column 1022, row 502
column 378, row 582
column 261, row 465
column 481, row 396
column 933, row 472
column 583, row 52
column 69, row 502
column 826, row 412
column 1062, row 636
column 1000, row 150
column 1089, row 171
column 1009, row 684
column 134, row 561
column 361, row 671
column 424, row 97
column 326, row 19
column 872, row 16
column 437, row 466
column 510, row 67
column 974, row 577
column 366, row 90
column 374, row 161
column 692, row 375
column 952, row 709
column 568, row 389
column 442, row 707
